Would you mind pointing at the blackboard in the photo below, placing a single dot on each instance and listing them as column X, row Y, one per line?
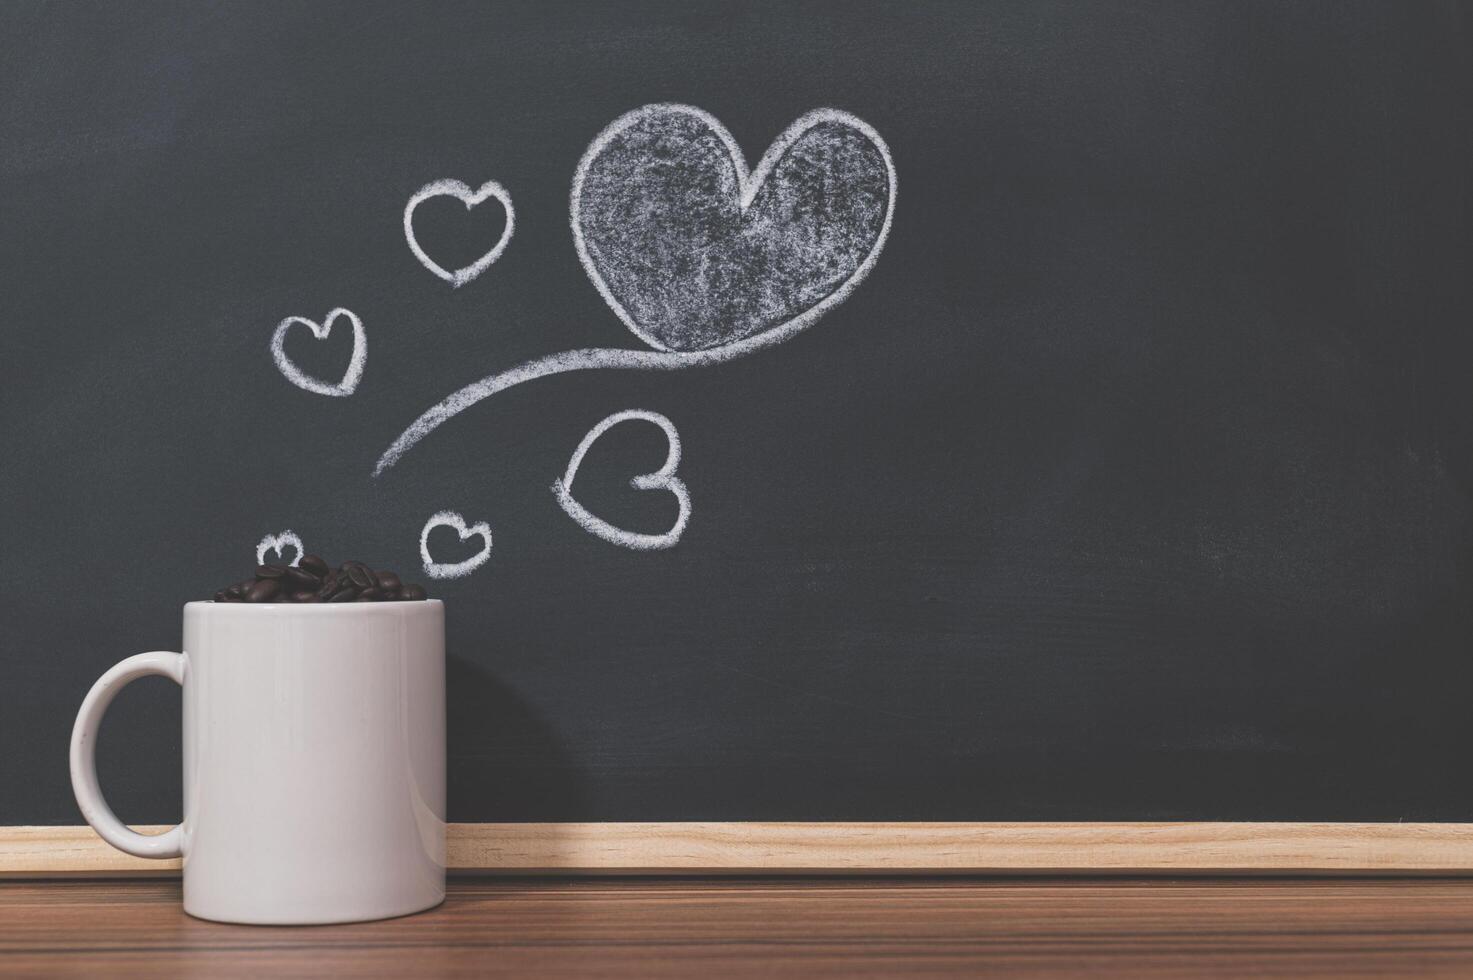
column 1131, row 483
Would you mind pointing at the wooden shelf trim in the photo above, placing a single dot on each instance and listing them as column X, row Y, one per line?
column 827, row 848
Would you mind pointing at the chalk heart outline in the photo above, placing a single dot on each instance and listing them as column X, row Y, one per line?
column 321, row 331
column 275, row 542
column 450, row 519
column 470, row 198
column 750, row 183
column 663, row 478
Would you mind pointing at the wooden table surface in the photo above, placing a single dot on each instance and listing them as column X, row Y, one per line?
column 748, row 927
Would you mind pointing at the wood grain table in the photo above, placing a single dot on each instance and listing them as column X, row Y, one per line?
column 767, row 927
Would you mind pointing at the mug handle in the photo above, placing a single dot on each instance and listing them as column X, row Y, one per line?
column 84, row 755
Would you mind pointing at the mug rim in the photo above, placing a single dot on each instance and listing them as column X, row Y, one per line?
column 316, row 606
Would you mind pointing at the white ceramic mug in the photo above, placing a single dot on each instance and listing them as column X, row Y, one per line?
column 314, row 760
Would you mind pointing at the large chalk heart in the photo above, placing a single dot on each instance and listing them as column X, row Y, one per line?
column 695, row 253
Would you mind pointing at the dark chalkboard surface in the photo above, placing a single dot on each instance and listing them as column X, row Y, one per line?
column 1132, row 482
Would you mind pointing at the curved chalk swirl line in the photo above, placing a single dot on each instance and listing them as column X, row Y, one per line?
column 584, row 359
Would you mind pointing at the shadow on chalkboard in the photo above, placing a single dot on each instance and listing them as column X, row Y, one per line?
column 505, row 762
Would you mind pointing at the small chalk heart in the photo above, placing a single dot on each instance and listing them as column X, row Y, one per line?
column 275, row 542
column 321, row 330
column 450, row 519
column 662, row 479
column 463, row 193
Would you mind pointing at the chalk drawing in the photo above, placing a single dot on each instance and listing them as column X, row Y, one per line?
column 449, row 518
column 701, row 259
column 321, row 330
column 463, row 193
column 275, row 542
column 662, row 479
column 692, row 251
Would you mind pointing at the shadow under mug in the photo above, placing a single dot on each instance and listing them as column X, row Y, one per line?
column 314, row 760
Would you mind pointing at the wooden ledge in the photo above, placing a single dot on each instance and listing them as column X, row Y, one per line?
column 886, row 848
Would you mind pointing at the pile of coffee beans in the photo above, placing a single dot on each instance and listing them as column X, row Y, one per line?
column 312, row 580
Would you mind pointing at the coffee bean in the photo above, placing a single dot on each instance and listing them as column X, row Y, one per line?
column 388, row 581
column 360, row 577
column 412, row 593
column 313, row 564
column 220, row 596
column 346, row 595
column 263, row 590
column 270, row 571
column 305, row 597
column 299, row 580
